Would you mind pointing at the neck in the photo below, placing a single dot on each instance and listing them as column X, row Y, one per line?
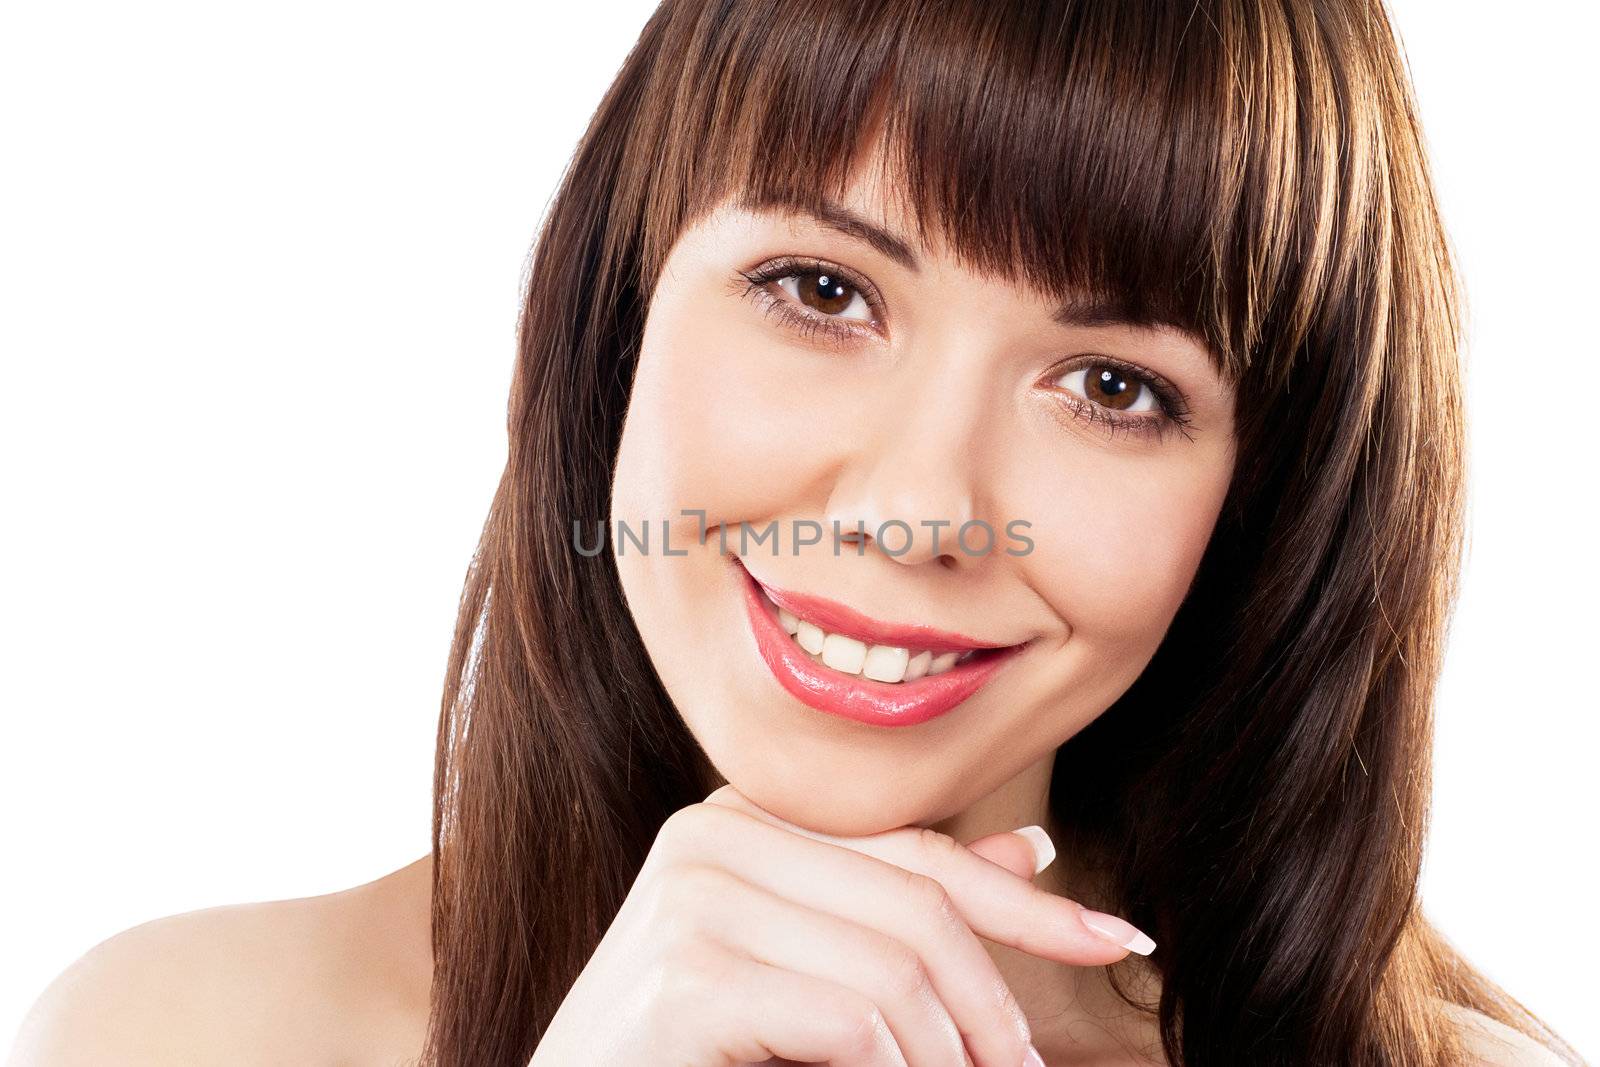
column 1076, row 1015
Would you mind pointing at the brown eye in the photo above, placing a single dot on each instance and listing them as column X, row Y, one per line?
column 827, row 294
column 1109, row 387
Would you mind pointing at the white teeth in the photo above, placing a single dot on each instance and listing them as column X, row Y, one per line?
column 918, row 665
column 884, row 663
column 881, row 663
column 844, row 653
column 809, row 637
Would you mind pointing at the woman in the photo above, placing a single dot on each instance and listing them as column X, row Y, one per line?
column 1147, row 312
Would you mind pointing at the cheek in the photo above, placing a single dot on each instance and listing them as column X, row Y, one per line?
column 1118, row 540
column 714, row 424
column 721, row 419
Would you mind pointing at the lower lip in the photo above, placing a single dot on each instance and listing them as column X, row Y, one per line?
column 853, row 697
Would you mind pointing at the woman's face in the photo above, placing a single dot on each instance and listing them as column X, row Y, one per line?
column 797, row 372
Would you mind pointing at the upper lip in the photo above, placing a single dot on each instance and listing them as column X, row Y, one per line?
column 837, row 618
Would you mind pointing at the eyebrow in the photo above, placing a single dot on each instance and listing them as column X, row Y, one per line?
column 1082, row 312
column 840, row 218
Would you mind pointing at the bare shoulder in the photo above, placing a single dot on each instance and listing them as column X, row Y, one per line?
column 1490, row 1043
column 337, row 978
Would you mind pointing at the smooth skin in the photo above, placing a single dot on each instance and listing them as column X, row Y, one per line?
column 855, row 889
column 862, row 952
column 921, row 392
column 958, row 398
column 342, row 979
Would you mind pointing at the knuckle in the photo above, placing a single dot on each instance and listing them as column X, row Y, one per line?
column 687, row 832
column 683, row 892
column 857, row 1027
column 903, row 973
column 680, row 829
column 687, row 976
column 931, row 900
column 686, row 985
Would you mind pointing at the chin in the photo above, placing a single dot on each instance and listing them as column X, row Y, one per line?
column 830, row 801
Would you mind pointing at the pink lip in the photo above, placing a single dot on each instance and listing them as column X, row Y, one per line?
column 862, row 699
column 836, row 618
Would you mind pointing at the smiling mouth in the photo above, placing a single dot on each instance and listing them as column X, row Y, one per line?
column 847, row 664
column 853, row 655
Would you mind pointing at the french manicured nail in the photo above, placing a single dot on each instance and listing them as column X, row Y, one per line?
column 1119, row 932
column 1032, row 1058
column 1044, row 850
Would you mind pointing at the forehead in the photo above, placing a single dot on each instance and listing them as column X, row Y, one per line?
column 1027, row 135
column 876, row 199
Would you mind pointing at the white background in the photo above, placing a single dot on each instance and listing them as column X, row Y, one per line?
column 259, row 270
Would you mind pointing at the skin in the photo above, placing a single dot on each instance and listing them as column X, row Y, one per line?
column 939, row 415
column 343, row 978
column 952, row 399
column 336, row 978
column 895, row 896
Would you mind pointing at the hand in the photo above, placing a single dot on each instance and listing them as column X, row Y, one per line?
column 747, row 938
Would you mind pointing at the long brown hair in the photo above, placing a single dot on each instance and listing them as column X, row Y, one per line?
column 1252, row 170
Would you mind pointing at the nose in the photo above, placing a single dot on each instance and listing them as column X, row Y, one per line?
column 910, row 485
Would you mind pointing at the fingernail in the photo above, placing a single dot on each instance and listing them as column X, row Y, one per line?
column 1044, row 850
column 1119, row 932
column 1032, row 1058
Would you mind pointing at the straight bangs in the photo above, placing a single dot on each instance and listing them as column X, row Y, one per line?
column 1171, row 167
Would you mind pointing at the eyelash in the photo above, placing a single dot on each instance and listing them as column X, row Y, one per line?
column 806, row 322
column 1175, row 414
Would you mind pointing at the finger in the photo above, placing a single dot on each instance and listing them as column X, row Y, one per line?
column 908, row 907
column 774, row 930
column 1023, row 852
column 758, row 1011
column 997, row 906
